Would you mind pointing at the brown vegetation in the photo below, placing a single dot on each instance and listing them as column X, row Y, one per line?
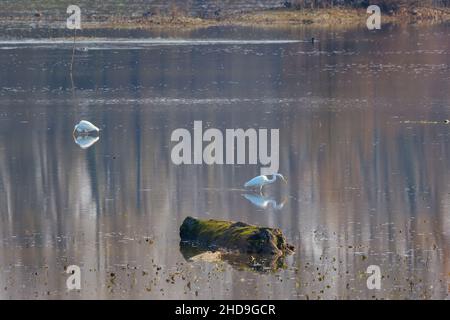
column 335, row 13
column 326, row 17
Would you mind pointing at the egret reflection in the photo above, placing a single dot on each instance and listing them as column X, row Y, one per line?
column 264, row 202
column 85, row 141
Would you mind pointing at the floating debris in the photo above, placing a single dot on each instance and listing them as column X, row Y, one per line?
column 446, row 121
column 208, row 256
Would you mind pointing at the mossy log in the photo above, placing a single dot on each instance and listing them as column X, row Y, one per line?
column 234, row 236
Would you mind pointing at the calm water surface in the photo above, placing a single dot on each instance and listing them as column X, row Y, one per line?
column 362, row 143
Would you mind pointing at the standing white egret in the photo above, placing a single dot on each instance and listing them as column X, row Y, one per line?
column 261, row 181
column 85, row 127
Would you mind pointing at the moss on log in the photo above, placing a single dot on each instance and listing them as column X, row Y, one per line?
column 234, row 236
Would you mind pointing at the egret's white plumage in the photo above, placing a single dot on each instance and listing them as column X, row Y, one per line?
column 85, row 127
column 261, row 181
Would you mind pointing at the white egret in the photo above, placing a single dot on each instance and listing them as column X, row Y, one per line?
column 85, row 127
column 261, row 181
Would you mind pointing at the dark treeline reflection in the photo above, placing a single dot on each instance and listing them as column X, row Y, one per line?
column 362, row 143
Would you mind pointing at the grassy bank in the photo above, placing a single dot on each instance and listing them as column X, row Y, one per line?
column 321, row 17
column 325, row 17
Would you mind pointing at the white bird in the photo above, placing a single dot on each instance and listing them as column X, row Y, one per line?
column 261, row 181
column 85, row 127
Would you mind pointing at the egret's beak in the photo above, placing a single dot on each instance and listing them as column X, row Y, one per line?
column 285, row 180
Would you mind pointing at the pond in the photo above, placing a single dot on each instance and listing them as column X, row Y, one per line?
column 363, row 144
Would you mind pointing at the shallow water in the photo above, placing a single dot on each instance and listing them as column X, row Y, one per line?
column 362, row 143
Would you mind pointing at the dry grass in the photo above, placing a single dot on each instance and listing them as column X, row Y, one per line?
column 330, row 17
column 304, row 17
column 336, row 17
